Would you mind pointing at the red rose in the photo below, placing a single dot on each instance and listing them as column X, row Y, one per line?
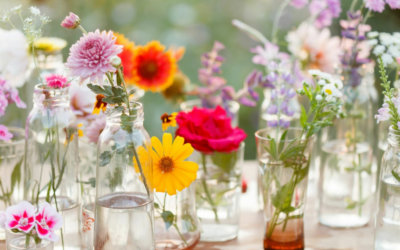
column 209, row 130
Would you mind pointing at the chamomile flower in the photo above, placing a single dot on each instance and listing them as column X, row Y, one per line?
column 330, row 91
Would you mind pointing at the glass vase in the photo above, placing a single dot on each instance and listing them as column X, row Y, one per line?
column 124, row 216
column 88, row 208
column 176, row 222
column 387, row 220
column 233, row 109
column 347, row 182
column 218, row 189
column 19, row 241
column 11, row 171
column 51, row 161
column 284, row 166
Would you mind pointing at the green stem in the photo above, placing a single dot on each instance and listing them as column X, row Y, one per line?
column 179, row 232
column 5, row 195
column 82, row 29
column 203, row 158
column 353, row 4
column 27, row 239
column 36, row 66
column 209, row 198
column 367, row 16
column 277, row 18
column 359, row 187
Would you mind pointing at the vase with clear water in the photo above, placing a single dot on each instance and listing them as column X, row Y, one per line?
column 124, row 213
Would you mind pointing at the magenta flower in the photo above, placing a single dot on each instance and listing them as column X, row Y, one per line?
column 20, row 216
column 2, row 220
column 56, row 81
column 299, row 4
column 5, row 135
column 90, row 56
column 14, row 95
column 375, row 5
column 3, row 103
column 94, row 130
column 394, row 4
column 71, row 21
column 47, row 221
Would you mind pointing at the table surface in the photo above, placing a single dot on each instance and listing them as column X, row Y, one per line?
column 317, row 237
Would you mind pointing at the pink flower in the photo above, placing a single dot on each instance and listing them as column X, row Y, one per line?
column 71, row 21
column 21, row 217
column 56, row 81
column 394, row 4
column 209, row 130
column 3, row 103
column 299, row 4
column 383, row 113
column 94, row 130
column 90, row 56
column 269, row 53
column 15, row 98
column 375, row 5
column 82, row 101
column 5, row 135
column 47, row 221
column 2, row 220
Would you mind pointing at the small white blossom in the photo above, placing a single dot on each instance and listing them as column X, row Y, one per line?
column 330, row 91
column 314, row 72
column 387, row 59
column 322, row 82
column 396, row 35
column 394, row 51
column 338, row 83
column 379, row 50
column 386, row 38
column 373, row 42
column 326, row 76
column 34, row 11
column 318, row 97
column 373, row 34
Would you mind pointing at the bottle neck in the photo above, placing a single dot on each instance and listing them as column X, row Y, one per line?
column 49, row 61
column 394, row 137
column 50, row 97
column 120, row 115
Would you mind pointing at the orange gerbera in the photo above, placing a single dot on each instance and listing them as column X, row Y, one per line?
column 126, row 56
column 154, row 68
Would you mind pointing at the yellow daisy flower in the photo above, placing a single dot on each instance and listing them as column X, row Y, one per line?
column 170, row 172
column 50, row 44
column 168, row 120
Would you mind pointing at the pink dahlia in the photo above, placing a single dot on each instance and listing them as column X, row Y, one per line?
column 71, row 21
column 90, row 56
column 375, row 5
column 56, row 81
column 94, row 130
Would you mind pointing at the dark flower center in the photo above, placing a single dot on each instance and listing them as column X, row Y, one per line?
column 148, row 69
column 165, row 118
column 166, row 164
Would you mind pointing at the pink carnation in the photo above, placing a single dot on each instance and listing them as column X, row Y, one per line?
column 90, row 56
column 375, row 5
column 5, row 135
column 56, row 81
column 71, row 21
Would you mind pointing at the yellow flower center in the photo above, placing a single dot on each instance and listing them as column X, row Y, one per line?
column 166, row 164
column 328, row 91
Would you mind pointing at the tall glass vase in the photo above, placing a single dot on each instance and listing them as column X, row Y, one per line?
column 51, row 162
column 124, row 216
column 348, row 176
column 387, row 220
column 284, row 166
column 11, row 171
column 176, row 223
column 218, row 189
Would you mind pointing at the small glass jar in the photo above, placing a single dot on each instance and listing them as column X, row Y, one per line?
column 387, row 220
column 218, row 190
column 88, row 208
column 11, row 171
column 284, row 166
column 176, row 222
column 51, row 161
column 124, row 216
column 19, row 241
column 233, row 109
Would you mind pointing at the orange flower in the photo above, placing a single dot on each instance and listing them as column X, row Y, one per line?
column 99, row 104
column 127, row 56
column 154, row 69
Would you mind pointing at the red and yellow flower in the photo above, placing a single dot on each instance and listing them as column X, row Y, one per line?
column 99, row 104
column 153, row 67
column 127, row 56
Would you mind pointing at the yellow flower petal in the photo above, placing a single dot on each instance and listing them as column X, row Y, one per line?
column 167, row 143
column 185, row 151
column 169, row 185
column 177, row 145
column 188, row 166
column 155, row 156
column 157, row 146
column 180, row 177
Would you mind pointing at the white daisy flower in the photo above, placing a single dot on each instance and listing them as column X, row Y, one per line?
column 338, row 83
column 373, row 34
column 387, row 59
column 318, row 97
column 322, row 82
column 314, row 72
column 394, row 51
column 373, row 42
column 326, row 76
column 330, row 91
column 386, row 38
column 379, row 50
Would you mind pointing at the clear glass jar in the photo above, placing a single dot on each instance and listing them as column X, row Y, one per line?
column 124, row 216
column 218, row 190
column 233, row 109
column 347, row 182
column 11, row 171
column 284, row 175
column 18, row 241
column 51, row 161
column 387, row 220
column 177, row 225
column 88, row 208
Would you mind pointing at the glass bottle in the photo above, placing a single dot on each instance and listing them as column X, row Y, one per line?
column 176, row 223
column 218, row 190
column 51, row 162
column 387, row 220
column 11, row 171
column 124, row 216
column 284, row 180
column 17, row 241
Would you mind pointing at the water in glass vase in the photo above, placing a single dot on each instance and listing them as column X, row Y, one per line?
column 124, row 222
column 347, row 185
column 88, row 224
column 289, row 237
column 388, row 220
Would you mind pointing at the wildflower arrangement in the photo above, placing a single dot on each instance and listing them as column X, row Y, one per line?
column 37, row 224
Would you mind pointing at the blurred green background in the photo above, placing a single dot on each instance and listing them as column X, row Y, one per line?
column 195, row 24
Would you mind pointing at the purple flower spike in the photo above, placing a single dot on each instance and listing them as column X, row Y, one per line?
column 273, row 95
column 218, row 46
column 272, row 65
column 220, row 59
column 290, row 94
column 282, row 91
column 354, row 15
column 265, row 83
column 348, row 34
column 284, row 105
column 284, row 124
column 272, row 109
column 227, row 93
column 247, row 102
column 272, row 124
column 272, row 77
column 254, row 95
column 253, row 78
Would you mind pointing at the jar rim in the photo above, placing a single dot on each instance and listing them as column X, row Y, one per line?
column 260, row 134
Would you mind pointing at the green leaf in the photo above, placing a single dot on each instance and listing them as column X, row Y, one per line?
column 302, row 173
column 289, row 209
column 291, row 152
column 168, row 218
column 272, row 147
column 303, row 117
column 92, row 182
column 396, row 175
column 132, row 91
column 118, row 91
column 156, row 206
column 283, row 196
column 282, row 142
column 105, row 158
column 99, row 90
column 225, row 161
column 16, row 175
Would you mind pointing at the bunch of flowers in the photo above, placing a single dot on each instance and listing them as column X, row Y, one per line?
column 387, row 46
column 39, row 225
